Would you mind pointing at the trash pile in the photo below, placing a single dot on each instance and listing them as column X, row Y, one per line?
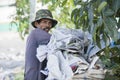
column 71, row 55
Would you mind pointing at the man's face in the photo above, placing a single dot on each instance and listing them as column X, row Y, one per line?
column 45, row 24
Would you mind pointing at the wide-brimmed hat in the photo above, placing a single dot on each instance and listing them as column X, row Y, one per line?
column 44, row 14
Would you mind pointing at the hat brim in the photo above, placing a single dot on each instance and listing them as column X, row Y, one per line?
column 54, row 22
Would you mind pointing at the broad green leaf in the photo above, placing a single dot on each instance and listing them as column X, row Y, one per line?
column 98, row 40
column 110, row 25
column 105, row 38
column 96, row 35
column 101, row 6
column 116, row 5
column 108, row 12
column 74, row 14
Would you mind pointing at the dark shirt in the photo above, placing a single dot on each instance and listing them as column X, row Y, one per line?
column 32, row 65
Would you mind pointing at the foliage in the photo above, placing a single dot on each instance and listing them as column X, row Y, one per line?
column 61, row 10
column 100, row 17
column 111, row 60
column 22, row 17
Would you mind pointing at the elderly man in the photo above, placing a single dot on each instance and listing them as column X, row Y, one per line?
column 39, row 36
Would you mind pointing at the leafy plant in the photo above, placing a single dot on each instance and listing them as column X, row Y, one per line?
column 100, row 17
column 61, row 10
column 21, row 19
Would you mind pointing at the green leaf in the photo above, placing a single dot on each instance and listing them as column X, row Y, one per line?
column 98, row 40
column 94, row 31
column 74, row 14
column 110, row 26
column 108, row 12
column 105, row 38
column 64, row 2
column 116, row 5
column 101, row 6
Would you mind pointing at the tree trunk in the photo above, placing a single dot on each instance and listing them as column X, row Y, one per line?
column 32, row 13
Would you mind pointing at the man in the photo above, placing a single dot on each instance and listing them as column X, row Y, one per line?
column 39, row 36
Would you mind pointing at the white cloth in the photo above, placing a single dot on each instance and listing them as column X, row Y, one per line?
column 58, row 67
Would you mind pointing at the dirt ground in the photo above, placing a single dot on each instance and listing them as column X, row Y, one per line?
column 11, row 42
column 12, row 51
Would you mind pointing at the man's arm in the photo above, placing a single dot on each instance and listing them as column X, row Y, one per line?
column 31, row 62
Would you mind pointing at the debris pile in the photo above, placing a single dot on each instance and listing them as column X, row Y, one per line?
column 70, row 56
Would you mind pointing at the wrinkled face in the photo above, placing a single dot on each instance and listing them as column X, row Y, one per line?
column 44, row 24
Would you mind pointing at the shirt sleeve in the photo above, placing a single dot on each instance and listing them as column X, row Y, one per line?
column 31, row 62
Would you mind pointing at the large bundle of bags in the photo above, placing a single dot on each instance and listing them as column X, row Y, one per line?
column 71, row 55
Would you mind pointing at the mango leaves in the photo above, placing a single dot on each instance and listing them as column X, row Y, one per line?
column 100, row 17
